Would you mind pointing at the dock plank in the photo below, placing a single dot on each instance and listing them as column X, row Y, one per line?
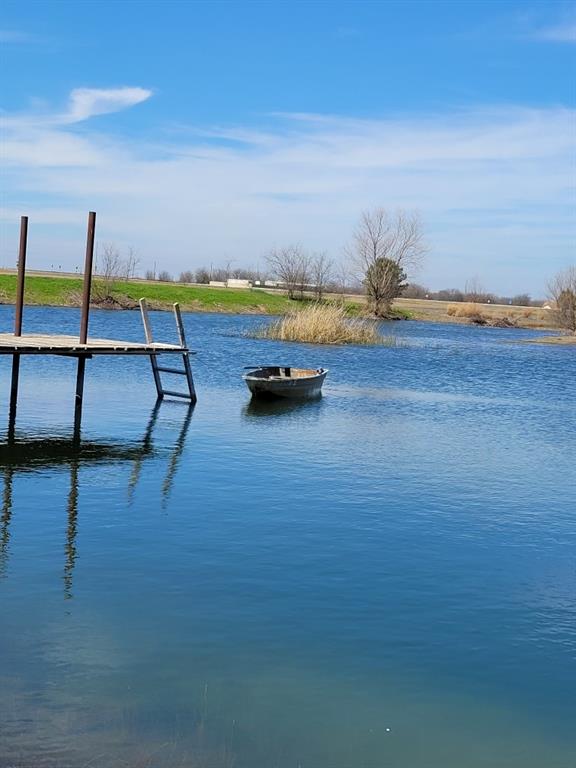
column 47, row 344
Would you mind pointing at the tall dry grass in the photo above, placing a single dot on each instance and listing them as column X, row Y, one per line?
column 467, row 311
column 324, row 324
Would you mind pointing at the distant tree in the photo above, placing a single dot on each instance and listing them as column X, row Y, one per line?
column 562, row 291
column 415, row 291
column 475, row 292
column 321, row 269
column 291, row 266
column 202, row 275
column 449, row 294
column 381, row 240
column 165, row 277
column 521, row 300
column 112, row 267
column 132, row 262
column 150, row 275
column 342, row 279
column 186, row 277
column 220, row 274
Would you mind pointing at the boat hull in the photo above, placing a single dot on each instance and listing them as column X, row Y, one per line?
column 301, row 387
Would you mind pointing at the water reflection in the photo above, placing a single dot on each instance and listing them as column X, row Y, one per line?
column 71, row 530
column 5, row 519
column 26, row 454
column 280, row 406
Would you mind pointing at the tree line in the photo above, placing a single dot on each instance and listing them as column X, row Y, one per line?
column 385, row 249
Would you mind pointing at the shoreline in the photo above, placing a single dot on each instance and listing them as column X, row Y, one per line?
column 564, row 340
column 55, row 290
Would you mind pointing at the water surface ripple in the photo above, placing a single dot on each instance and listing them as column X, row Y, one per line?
column 384, row 577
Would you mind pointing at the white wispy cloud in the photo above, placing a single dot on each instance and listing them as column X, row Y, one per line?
column 14, row 36
column 492, row 186
column 561, row 33
column 85, row 103
column 48, row 138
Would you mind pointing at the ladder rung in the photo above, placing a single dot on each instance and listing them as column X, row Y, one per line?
column 171, row 370
column 185, row 395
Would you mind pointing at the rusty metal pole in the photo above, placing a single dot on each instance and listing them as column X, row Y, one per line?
column 21, row 275
column 87, row 277
column 18, row 311
column 84, row 320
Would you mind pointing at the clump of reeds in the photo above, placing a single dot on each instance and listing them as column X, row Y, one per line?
column 324, row 324
column 467, row 311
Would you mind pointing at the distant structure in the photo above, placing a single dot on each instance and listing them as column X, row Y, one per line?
column 232, row 282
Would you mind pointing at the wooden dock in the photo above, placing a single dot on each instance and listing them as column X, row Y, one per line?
column 82, row 347
column 42, row 344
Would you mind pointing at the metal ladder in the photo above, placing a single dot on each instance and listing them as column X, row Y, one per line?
column 158, row 369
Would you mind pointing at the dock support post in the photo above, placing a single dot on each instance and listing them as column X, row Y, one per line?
column 79, row 396
column 18, row 312
column 84, row 320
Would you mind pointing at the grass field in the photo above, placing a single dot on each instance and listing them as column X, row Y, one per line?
column 438, row 311
column 66, row 290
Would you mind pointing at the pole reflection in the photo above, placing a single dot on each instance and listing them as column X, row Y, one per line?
column 22, row 454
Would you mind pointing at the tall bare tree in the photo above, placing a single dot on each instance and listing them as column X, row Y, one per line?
column 385, row 247
column 321, row 271
column 562, row 291
column 342, row 279
column 111, row 267
column 474, row 291
column 290, row 265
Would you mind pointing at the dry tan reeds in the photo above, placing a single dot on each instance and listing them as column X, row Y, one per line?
column 324, row 324
column 467, row 311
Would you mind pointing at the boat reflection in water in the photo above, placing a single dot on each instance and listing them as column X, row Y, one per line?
column 29, row 454
column 258, row 407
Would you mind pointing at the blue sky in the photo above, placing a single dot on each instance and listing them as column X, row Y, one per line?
column 209, row 132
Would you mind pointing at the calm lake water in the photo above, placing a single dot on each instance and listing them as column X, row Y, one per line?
column 385, row 577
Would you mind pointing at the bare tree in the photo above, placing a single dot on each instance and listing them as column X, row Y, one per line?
column 562, row 291
column 219, row 274
column 385, row 248
column 321, row 269
column 520, row 300
column 475, row 292
column 150, row 274
column 202, row 275
column 416, row 291
column 165, row 277
column 110, row 268
column 448, row 294
column 342, row 279
column 290, row 265
column 131, row 262
column 186, row 277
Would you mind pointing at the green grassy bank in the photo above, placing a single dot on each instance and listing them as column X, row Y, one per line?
column 67, row 292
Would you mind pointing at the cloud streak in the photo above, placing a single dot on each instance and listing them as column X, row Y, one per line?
column 236, row 191
column 85, row 103
column 562, row 33
column 14, row 36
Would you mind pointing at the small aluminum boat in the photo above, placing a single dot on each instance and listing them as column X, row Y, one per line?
column 275, row 381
